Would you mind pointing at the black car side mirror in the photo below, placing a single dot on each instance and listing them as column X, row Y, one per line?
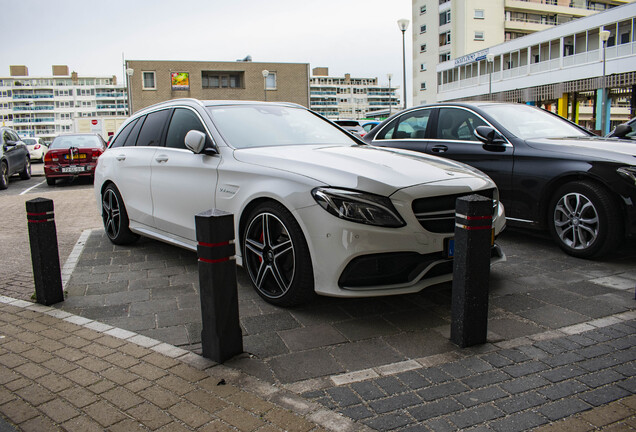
column 621, row 130
column 490, row 137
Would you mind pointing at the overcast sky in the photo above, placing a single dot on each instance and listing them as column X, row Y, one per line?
column 360, row 37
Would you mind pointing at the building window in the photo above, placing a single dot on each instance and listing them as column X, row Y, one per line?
column 479, row 14
column 219, row 79
column 423, row 48
column 148, row 81
column 444, row 39
column 270, row 81
column 423, row 86
column 444, row 57
column 445, row 17
column 422, row 10
column 423, row 29
column 479, row 35
column 423, row 67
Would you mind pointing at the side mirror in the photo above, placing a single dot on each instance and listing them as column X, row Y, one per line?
column 490, row 137
column 195, row 142
column 621, row 131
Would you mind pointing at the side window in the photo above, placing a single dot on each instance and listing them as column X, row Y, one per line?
column 6, row 137
column 121, row 138
column 183, row 121
column 131, row 140
column 13, row 136
column 457, row 124
column 150, row 134
column 409, row 126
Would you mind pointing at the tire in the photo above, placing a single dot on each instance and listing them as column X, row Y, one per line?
column 4, row 176
column 25, row 174
column 115, row 217
column 276, row 256
column 585, row 220
column 50, row 181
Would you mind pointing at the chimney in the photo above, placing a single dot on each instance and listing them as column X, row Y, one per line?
column 74, row 77
column 18, row 71
column 320, row 71
column 60, row 70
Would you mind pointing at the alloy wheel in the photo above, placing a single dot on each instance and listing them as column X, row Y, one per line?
column 576, row 221
column 111, row 213
column 269, row 255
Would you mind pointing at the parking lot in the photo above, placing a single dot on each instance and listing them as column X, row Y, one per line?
column 554, row 340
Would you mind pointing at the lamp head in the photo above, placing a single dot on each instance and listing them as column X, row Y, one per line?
column 265, row 73
column 490, row 58
column 403, row 24
column 604, row 35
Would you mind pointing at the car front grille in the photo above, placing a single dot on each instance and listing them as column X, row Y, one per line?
column 437, row 214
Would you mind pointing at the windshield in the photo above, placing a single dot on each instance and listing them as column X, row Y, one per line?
column 77, row 141
column 29, row 141
column 245, row 126
column 527, row 122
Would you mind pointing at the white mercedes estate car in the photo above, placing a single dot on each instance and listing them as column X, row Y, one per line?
column 315, row 209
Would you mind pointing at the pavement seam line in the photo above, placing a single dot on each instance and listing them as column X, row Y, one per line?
column 71, row 261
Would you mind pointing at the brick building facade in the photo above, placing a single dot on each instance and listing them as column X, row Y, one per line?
column 152, row 81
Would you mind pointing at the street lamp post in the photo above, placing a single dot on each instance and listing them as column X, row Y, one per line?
column 390, row 98
column 265, row 75
column 129, row 74
column 604, row 35
column 490, row 59
column 403, row 24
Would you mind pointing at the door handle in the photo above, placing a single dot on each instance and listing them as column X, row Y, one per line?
column 162, row 158
column 439, row 149
column 120, row 157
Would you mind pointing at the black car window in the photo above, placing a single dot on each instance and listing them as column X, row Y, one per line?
column 121, row 138
column 457, row 124
column 411, row 125
column 183, row 121
column 150, row 134
column 6, row 136
column 131, row 140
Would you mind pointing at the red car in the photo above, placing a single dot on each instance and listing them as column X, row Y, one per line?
column 73, row 155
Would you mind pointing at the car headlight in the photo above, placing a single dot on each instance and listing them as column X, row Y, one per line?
column 628, row 173
column 358, row 207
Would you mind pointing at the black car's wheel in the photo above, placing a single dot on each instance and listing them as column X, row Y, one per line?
column 50, row 181
column 25, row 174
column 584, row 220
column 4, row 175
column 115, row 217
column 276, row 256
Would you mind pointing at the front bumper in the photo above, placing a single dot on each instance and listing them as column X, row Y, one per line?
column 356, row 260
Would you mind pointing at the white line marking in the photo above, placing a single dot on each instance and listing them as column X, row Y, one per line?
column 32, row 187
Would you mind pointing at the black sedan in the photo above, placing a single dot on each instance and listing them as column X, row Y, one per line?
column 551, row 173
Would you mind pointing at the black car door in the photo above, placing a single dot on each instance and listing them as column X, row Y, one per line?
column 14, row 151
column 453, row 137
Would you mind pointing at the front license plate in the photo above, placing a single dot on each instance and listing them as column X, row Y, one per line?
column 73, row 169
column 449, row 247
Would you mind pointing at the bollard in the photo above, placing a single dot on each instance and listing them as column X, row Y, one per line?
column 45, row 257
column 471, row 270
column 221, row 336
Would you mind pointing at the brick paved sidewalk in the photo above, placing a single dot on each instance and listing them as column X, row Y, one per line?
column 62, row 372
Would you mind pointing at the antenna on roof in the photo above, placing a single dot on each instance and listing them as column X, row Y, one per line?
column 246, row 59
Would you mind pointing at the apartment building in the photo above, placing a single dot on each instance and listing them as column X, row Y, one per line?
column 46, row 106
column 448, row 29
column 346, row 97
column 154, row 81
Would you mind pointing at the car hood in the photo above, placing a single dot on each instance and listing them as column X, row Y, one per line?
column 371, row 169
column 597, row 148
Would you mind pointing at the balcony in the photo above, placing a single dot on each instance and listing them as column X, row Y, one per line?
column 35, row 108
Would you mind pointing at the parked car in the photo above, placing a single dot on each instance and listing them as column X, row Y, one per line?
column 315, row 210
column 72, row 155
column 551, row 173
column 367, row 125
column 14, row 157
column 625, row 130
column 351, row 126
column 36, row 149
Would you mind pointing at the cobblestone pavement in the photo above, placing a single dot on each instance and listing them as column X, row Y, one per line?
column 561, row 332
column 62, row 372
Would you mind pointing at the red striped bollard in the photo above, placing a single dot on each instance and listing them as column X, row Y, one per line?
column 471, row 270
column 221, row 336
column 45, row 256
